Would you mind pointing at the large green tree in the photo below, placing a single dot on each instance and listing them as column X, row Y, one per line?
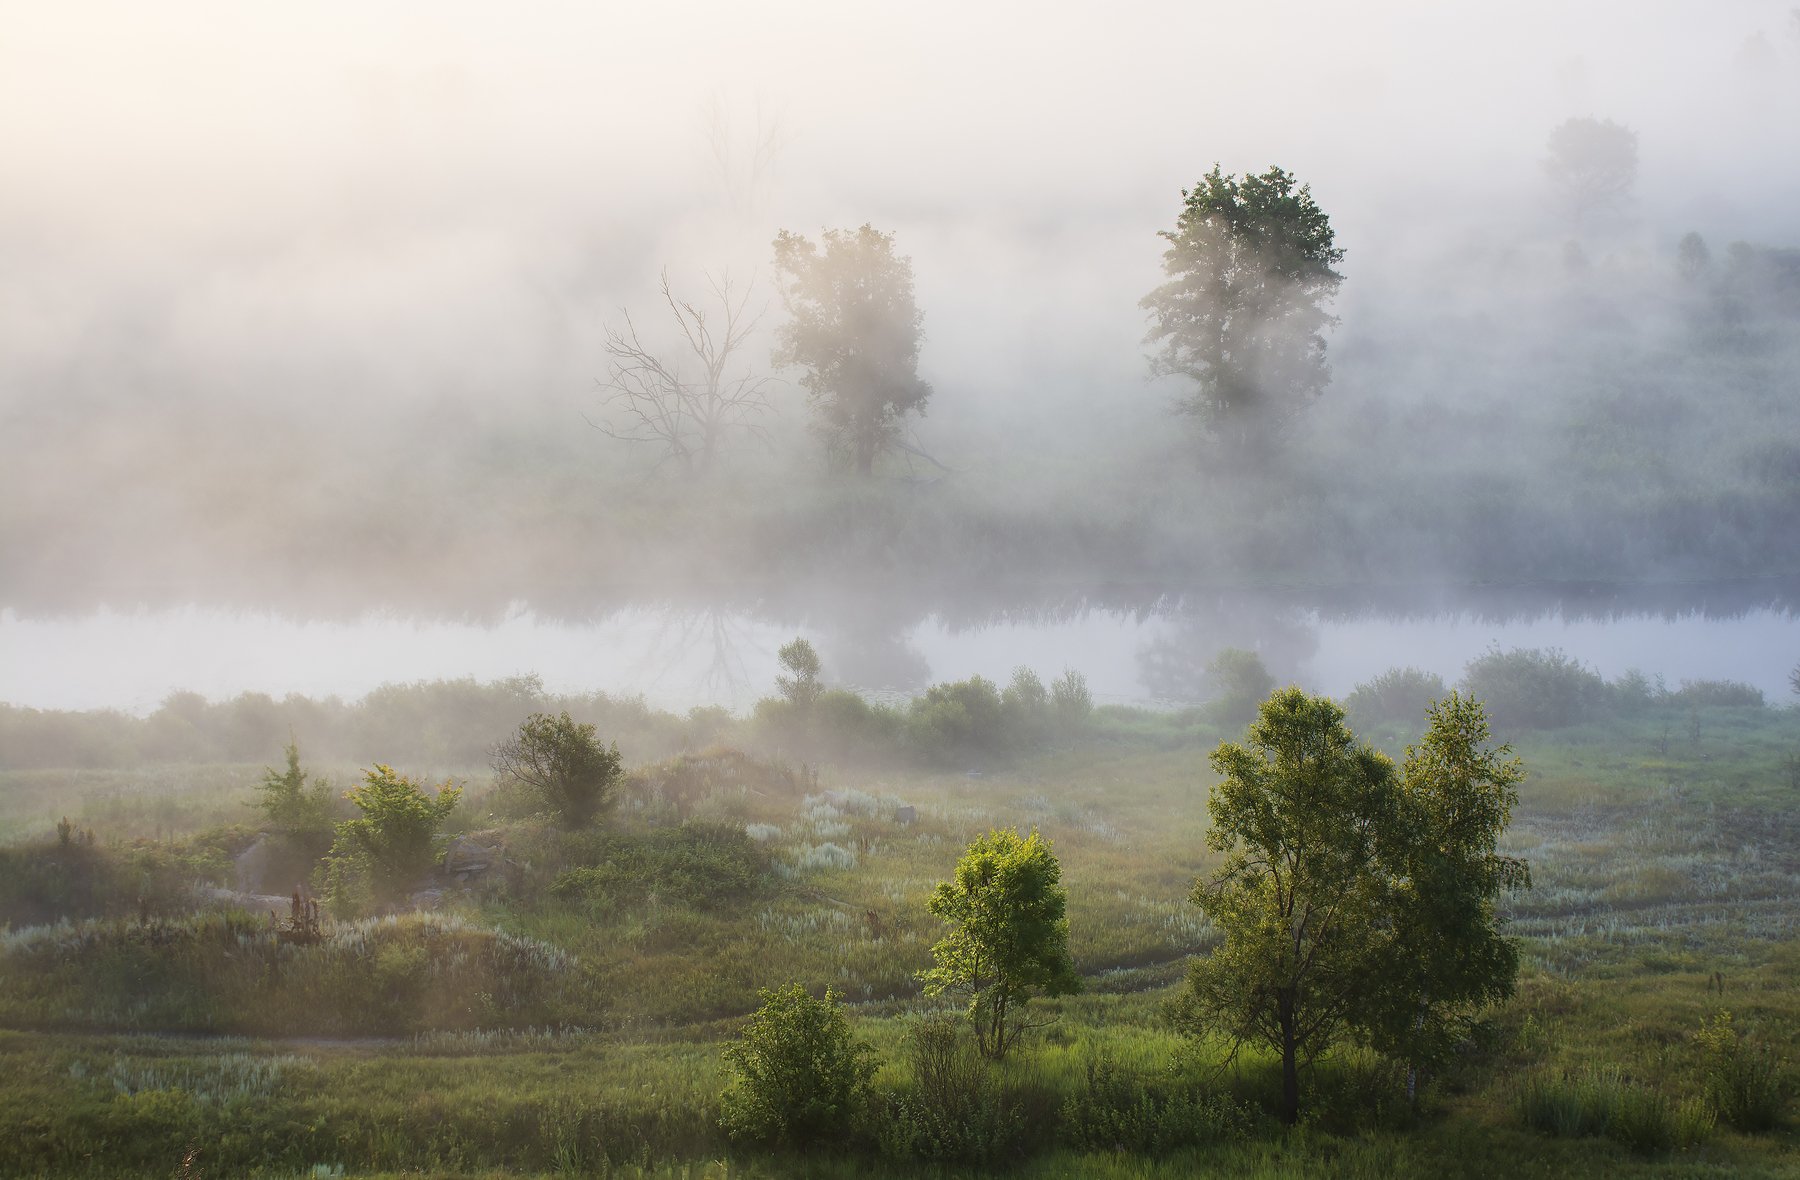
column 1356, row 902
column 1242, row 314
column 1010, row 936
column 855, row 329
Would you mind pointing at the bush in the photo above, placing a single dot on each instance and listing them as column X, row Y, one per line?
column 1634, row 693
column 1070, row 699
column 957, row 719
column 1744, row 1081
column 1239, row 683
column 698, row 865
column 1718, row 694
column 1534, row 688
column 382, row 854
column 797, row 1077
column 1601, row 1102
column 1115, row 1112
column 1398, row 696
column 563, row 765
column 954, row 1112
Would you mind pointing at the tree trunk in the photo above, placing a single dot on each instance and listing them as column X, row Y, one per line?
column 1290, row 1068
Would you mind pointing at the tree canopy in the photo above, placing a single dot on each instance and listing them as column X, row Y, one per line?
column 1010, row 940
column 855, row 329
column 561, row 762
column 1593, row 164
column 1242, row 314
column 1355, row 902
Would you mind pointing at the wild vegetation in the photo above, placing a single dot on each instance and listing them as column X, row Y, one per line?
column 637, row 992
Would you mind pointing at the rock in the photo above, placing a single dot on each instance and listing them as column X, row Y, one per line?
column 468, row 857
column 906, row 814
column 427, row 899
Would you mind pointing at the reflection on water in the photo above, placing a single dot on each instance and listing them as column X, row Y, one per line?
column 1130, row 648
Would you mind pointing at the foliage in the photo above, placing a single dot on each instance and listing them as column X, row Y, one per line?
column 1718, row 694
column 77, row 877
column 1242, row 315
column 1239, row 682
column 1396, row 696
column 800, row 686
column 381, row 855
column 1444, row 956
column 289, row 807
column 1534, row 688
column 1070, row 699
column 958, row 719
column 1300, row 814
column 562, row 763
column 1010, row 936
column 1593, row 164
column 1116, row 1111
column 855, row 329
column 1745, row 1085
column 797, row 1077
column 955, row 1112
column 699, row 865
column 1601, row 1101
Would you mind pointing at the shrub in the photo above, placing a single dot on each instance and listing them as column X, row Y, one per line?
column 957, row 719
column 1070, row 699
column 1534, row 688
column 1744, row 1081
column 1718, row 694
column 563, row 765
column 797, row 1076
column 1239, row 684
column 954, row 1112
column 1601, row 1102
column 1116, row 1112
column 1634, row 693
column 699, row 865
column 380, row 855
column 1027, row 705
column 292, row 809
column 1398, row 696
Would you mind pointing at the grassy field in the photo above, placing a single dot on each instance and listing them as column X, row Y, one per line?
column 1666, row 872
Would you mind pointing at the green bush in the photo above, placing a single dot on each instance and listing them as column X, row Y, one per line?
column 562, row 764
column 1534, row 688
column 1070, row 700
column 382, row 854
column 796, row 1075
column 1117, row 1112
column 699, row 865
column 1239, row 684
column 954, row 1111
column 1398, row 696
column 1718, row 694
column 1744, row 1082
column 1598, row 1102
column 958, row 720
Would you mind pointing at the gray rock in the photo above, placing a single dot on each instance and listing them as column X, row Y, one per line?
column 252, row 866
column 906, row 814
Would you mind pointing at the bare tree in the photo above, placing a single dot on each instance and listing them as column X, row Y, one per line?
column 688, row 397
column 744, row 169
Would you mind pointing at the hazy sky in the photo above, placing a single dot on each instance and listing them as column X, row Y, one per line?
column 377, row 200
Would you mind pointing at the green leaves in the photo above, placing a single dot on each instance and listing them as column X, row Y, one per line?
column 797, row 1076
column 559, row 760
column 1011, row 936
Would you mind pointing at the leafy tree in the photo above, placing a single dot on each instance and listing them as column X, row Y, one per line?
column 855, row 329
column 564, row 765
column 1445, row 954
column 1692, row 258
column 1070, row 699
column 383, row 852
column 797, row 1076
column 1243, row 314
column 1397, row 695
column 801, row 684
column 291, row 807
column 1300, row 814
column 1011, row 935
column 1593, row 164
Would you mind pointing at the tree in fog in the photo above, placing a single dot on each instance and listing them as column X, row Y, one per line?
column 562, row 764
column 800, row 663
column 1592, row 163
column 855, row 330
column 685, row 399
column 1692, row 258
column 1242, row 315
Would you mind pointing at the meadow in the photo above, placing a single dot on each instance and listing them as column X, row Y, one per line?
column 567, row 1015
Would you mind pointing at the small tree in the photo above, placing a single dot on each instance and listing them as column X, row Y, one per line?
column 564, row 765
column 1243, row 313
column 797, row 1076
column 1070, row 699
column 383, row 853
column 800, row 686
column 1010, row 940
column 855, row 329
column 1300, row 815
column 292, row 808
column 1239, row 682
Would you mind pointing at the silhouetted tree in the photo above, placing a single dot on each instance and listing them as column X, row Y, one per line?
column 1593, row 164
column 1243, row 313
column 855, row 329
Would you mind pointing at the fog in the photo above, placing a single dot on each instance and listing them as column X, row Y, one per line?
column 302, row 310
